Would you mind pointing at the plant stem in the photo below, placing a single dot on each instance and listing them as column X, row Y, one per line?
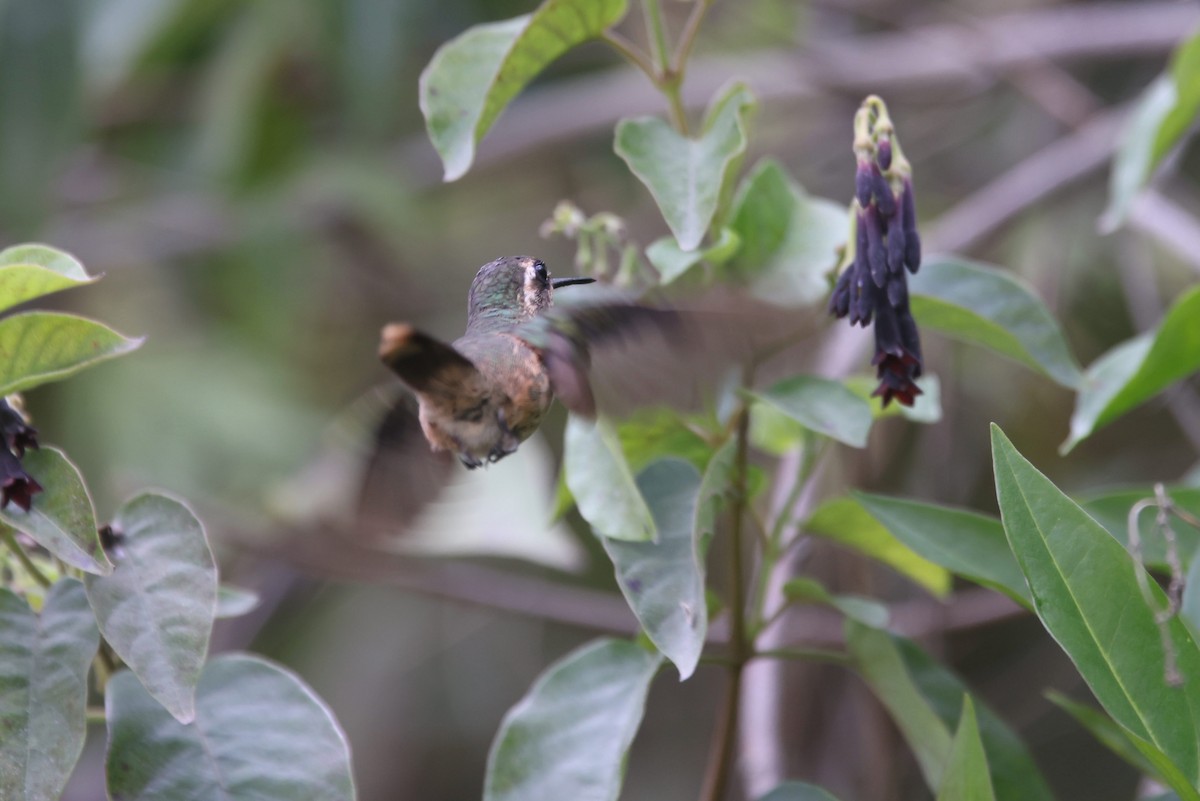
column 683, row 49
column 721, row 758
column 95, row 714
column 806, row 654
column 669, row 77
column 10, row 539
column 632, row 54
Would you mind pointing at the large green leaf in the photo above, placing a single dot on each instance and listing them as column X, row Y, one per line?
column 966, row 777
column 843, row 520
column 879, row 662
column 30, row 271
column 259, row 733
column 44, row 663
column 1111, row 510
column 1166, row 110
column 471, row 78
column 601, row 482
column 1138, row 369
column 789, row 239
column 37, row 347
column 1087, row 594
column 820, row 405
column 798, row 791
column 569, row 736
column 964, row 542
column 156, row 609
column 983, row 305
column 61, row 518
column 663, row 581
column 1015, row 776
column 684, row 174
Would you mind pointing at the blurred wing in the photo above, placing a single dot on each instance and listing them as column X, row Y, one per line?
column 614, row 356
column 402, row 474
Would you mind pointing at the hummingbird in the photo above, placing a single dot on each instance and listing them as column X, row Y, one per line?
column 482, row 395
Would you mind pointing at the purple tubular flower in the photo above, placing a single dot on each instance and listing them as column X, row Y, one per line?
column 16, row 486
column 876, row 254
column 897, row 292
column 884, row 199
column 867, row 292
column 862, row 183
column 839, row 301
column 896, row 243
column 908, row 220
column 17, row 434
column 883, row 154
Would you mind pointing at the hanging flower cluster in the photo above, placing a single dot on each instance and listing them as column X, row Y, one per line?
column 874, row 286
column 16, row 486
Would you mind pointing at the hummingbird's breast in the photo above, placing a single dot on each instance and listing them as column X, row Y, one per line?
column 515, row 371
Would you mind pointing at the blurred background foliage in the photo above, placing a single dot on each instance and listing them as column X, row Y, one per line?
column 254, row 179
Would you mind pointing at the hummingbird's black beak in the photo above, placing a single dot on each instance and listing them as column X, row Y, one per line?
column 558, row 283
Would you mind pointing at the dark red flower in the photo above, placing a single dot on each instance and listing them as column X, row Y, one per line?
column 16, row 486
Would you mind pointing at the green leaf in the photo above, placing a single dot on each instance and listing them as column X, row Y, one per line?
column 798, row 791
column 38, row 347
column 843, row 520
column 1111, row 510
column 43, row 690
column 983, row 305
column 685, row 175
column 652, row 433
column 926, row 409
column 862, row 610
column 30, row 271
column 235, row 601
column 790, row 240
column 569, row 736
column 61, row 518
column 672, row 261
column 259, row 733
column 967, row 543
column 1015, row 776
column 156, row 609
column 663, row 581
column 471, row 78
column 966, row 777
column 716, row 487
column 1142, row 755
column 878, row 661
column 1189, row 606
column 601, row 482
column 1087, row 595
column 1105, row 730
column 1163, row 115
column 821, row 405
column 1138, row 369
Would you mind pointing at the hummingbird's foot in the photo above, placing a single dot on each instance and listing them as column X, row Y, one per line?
column 508, row 441
column 469, row 461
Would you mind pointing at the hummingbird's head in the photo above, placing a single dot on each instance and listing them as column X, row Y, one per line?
column 513, row 289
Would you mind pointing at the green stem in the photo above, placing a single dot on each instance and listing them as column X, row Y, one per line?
column 683, row 49
column 721, row 758
column 669, row 79
column 807, row 654
column 95, row 714
column 632, row 54
column 10, row 539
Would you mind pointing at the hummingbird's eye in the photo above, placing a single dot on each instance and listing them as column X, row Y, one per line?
column 539, row 270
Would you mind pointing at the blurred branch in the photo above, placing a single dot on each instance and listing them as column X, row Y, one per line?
column 1055, row 166
column 336, row 557
column 1171, row 225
